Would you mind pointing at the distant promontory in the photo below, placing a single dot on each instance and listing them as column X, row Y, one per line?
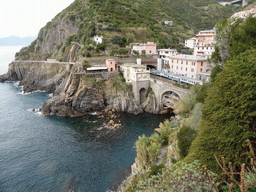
column 16, row 41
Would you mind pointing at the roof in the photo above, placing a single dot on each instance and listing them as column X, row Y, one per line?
column 167, row 50
column 133, row 65
column 97, row 68
column 189, row 57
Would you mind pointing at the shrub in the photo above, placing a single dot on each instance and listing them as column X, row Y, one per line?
column 228, row 115
column 165, row 129
column 179, row 177
column 185, row 137
column 156, row 169
column 86, row 64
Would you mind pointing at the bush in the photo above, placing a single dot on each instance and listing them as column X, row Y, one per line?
column 179, row 177
column 229, row 115
column 156, row 169
column 86, row 64
column 185, row 137
column 165, row 129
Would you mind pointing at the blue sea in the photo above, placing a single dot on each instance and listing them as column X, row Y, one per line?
column 57, row 154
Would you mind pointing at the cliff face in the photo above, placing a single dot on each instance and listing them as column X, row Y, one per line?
column 50, row 40
column 37, row 76
column 74, row 94
column 84, row 94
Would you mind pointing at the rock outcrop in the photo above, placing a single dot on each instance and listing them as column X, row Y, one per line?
column 76, row 94
column 84, row 94
column 33, row 76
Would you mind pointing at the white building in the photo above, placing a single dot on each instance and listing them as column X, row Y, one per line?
column 135, row 72
column 191, row 43
column 168, row 23
column 166, row 53
column 98, row 39
column 203, row 43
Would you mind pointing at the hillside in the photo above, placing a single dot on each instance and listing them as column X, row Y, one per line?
column 122, row 22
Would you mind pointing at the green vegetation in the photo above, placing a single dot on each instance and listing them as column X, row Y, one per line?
column 185, row 137
column 178, row 177
column 86, row 65
column 228, row 115
column 122, row 22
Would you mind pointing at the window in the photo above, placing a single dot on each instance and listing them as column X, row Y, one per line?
column 181, row 68
column 186, row 69
column 186, row 62
column 202, row 63
column 177, row 67
column 177, row 61
column 192, row 70
column 150, row 51
column 172, row 66
column 172, row 60
column 201, row 70
column 181, row 62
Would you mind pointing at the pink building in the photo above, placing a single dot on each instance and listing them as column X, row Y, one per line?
column 111, row 64
column 190, row 66
column 148, row 48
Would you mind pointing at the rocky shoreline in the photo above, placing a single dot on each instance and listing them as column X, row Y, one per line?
column 75, row 94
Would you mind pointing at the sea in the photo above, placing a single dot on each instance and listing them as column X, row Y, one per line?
column 62, row 154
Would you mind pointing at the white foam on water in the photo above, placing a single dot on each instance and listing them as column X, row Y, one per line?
column 16, row 84
column 50, row 95
column 39, row 113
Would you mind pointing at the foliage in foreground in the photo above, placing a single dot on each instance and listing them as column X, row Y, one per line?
column 179, row 177
column 229, row 115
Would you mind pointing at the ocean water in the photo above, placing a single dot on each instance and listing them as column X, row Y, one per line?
column 50, row 153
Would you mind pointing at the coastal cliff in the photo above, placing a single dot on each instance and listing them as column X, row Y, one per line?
column 83, row 94
column 76, row 94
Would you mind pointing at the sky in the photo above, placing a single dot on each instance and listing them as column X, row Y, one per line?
column 24, row 18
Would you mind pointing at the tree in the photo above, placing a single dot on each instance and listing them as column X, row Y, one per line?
column 229, row 115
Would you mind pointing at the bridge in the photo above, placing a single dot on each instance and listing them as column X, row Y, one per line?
column 166, row 94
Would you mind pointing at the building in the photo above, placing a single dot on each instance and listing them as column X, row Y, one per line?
column 148, row 48
column 205, row 41
column 190, row 66
column 191, row 43
column 168, row 23
column 166, row 53
column 134, row 72
column 98, row 39
column 110, row 66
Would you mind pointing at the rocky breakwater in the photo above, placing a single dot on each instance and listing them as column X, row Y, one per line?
column 33, row 76
column 83, row 94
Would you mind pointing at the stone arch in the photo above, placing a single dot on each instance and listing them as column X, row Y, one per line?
column 151, row 66
column 168, row 98
column 142, row 93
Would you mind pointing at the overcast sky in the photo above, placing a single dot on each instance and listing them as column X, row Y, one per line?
column 25, row 18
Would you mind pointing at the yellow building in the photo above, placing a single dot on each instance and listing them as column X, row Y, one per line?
column 135, row 72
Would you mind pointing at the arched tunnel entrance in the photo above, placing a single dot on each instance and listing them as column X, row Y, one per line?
column 151, row 67
column 168, row 99
column 142, row 92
